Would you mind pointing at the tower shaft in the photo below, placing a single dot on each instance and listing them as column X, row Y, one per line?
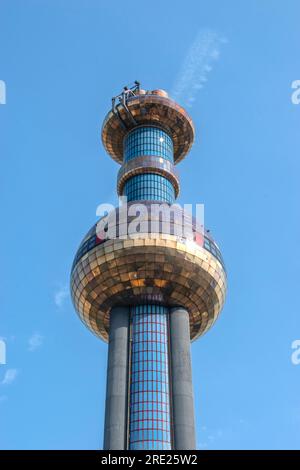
column 115, row 425
column 182, row 387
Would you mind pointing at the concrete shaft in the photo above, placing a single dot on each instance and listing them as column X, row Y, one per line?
column 116, row 405
column 182, row 389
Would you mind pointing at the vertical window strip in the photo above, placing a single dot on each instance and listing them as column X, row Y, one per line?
column 149, row 391
column 148, row 140
column 149, row 186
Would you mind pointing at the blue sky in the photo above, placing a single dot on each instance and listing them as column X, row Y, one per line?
column 62, row 61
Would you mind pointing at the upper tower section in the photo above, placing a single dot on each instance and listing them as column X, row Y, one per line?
column 136, row 107
column 168, row 260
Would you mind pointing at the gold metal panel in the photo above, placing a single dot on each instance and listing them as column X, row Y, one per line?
column 143, row 270
column 150, row 164
column 149, row 109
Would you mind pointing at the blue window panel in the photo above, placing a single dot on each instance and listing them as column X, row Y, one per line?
column 149, row 186
column 148, row 140
column 147, row 425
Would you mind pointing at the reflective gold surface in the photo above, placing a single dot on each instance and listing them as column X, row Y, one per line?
column 151, row 109
column 150, row 164
column 163, row 270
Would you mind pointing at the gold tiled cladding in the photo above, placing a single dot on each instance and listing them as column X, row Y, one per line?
column 149, row 109
column 157, row 270
column 147, row 164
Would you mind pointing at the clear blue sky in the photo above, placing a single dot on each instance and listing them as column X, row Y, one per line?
column 61, row 62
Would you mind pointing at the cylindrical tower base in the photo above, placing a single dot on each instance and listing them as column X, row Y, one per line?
column 115, row 428
column 182, row 389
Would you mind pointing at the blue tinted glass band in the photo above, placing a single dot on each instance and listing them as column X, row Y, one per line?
column 148, row 140
column 149, row 415
column 149, row 186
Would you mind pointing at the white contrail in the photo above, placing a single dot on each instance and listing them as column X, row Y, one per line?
column 203, row 52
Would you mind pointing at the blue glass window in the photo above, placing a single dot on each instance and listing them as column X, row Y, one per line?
column 149, row 425
column 148, row 140
column 149, row 186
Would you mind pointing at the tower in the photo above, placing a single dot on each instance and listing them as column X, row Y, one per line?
column 148, row 288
